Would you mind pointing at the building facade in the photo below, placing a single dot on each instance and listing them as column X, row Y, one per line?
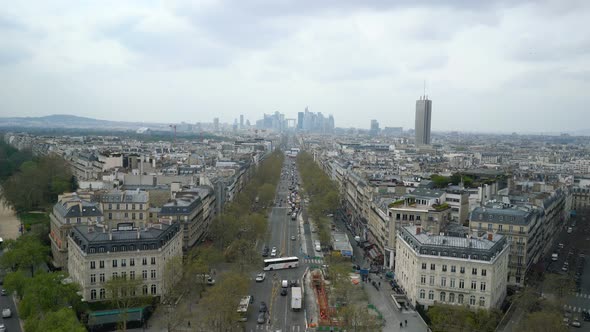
column 423, row 119
column 98, row 254
column 187, row 209
column 71, row 209
column 127, row 206
column 438, row 269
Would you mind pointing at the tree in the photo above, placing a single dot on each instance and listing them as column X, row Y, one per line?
column 221, row 301
column 124, row 294
column 25, row 252
column 47, row 292
column 459, row 318
column 358, row 318
column 16, row 282
column 55, row 321
column 266, row 193
column 173, row 274
column 561, row 285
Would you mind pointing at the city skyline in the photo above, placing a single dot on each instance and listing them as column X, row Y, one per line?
column 179, row 62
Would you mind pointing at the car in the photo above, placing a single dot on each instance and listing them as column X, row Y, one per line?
column 261, row 318
column 3, row 292
column 284, row 292
column 564, row 268
column 260, row 277
column 263, row 307
column 293, row 283
column 2, row 328
column 6, row 313
column 210, row 281
column 569, row 230
column 273, row 252
column 576, row 323
column 293, row 238
column 560, row 246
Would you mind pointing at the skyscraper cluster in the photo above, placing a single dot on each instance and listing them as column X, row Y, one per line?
column 314, row 122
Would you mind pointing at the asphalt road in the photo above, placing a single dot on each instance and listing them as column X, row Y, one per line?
column 280, row 315
column 11, row 323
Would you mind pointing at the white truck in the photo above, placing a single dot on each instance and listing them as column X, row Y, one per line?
column 296, row 298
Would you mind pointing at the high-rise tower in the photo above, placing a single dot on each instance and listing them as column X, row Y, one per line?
column 423, row 119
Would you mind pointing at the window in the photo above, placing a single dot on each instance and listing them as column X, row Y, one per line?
column 92, row 250
column 102, row 293
column 153, row 274
column 461, row 283
column 115, row 275
column 431, row 280
column 418, row 218
column 472, row 300
column 110, row 216
column 453, row 268
column 110, row 206
column 101, row 277
column 133, row 206
column 452, row 297
column 93, row 294
column 444, row 268
column 490, row 226
column 131, row 261
column 144, row 274
column 114, row 249
column 93, row 279
column 473, row 284
column 141, row 216
column 126, row 215
column 133, row 216
column 482, row 301
column 462, row 270
column 153, row 289
column 433, row 267
column 474, row 271
column 482, row 286
column 422, row 294
column 453, row 282
column 144, row 289
column 500, row 228
column 124, row 275
column 460, row 299
column 132, row 275
column 443, row 282
column 431, row 295
column 153, row 260
column 118, row 206
column 423, row 279
column 423, row 266
column 442, row 296
column 114, row 263
column 93, row 265
column 123, row 262
column 397, row 216
column 101, row 264
column 144, row 261
column 483, row 272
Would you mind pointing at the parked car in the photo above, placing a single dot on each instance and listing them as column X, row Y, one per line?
column 261, row 318
column 6, row 313
column 263, row 307
column 576, row 323
column 2, row 327
column 284, row 292
column 273, row 252
column 3, row 292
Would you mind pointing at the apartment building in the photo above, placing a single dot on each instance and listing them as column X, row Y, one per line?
column 70, row 210
column 523, row 229
column 125, row 206
column 98, row 254
column 580, row 198
column 424, row 207
column 187, row 209
column 438, row 269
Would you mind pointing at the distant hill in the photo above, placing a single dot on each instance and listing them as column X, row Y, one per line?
column 69, row 121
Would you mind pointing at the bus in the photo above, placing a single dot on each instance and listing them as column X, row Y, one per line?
column 280, row 263
column 243, row 308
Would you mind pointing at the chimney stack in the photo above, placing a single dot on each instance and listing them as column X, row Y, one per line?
column 418, row 229
column 110, row 236
column 490, row 236
column 138, row 234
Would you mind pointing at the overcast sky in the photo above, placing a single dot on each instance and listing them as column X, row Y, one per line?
column 488, row 65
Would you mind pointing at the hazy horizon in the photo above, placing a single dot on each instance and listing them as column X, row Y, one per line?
column 498, row 66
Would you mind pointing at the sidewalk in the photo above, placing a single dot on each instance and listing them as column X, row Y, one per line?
column 381, row 299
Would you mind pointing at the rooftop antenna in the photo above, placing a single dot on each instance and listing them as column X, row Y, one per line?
column 424, row 89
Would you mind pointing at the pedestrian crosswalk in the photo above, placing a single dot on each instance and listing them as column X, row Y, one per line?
column 268, row 328
column 575, row 308
column 318, row 261
column 586, row 296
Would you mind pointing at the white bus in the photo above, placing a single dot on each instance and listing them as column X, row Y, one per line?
column 281, row 263
column 243, row 308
